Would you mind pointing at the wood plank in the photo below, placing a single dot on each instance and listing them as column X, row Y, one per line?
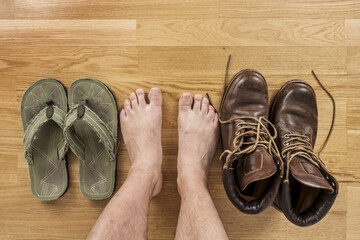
column 240, row 32
column 353, row 102
column 116, row 9
column 353, row 60
column 7, row 85
column 7, row 9
column 352, row 32
column 352, row 172
column 28, row 64
column 211, row 61
column 67, row 33
column 353, row 211
column 290, row 9
column 353, row 110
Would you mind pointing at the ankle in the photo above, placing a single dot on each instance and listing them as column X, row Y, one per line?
column 149, row 174
column 189, row 183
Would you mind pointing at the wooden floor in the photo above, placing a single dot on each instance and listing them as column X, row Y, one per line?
column 178, row 45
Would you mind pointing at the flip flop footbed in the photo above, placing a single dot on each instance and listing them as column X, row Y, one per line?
column 96, row 170
column 47, row 168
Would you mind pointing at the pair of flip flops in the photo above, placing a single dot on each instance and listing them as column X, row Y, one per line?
column 86, row 121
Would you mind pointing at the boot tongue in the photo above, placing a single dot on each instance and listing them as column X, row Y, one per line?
column 308, row 174
column 258, row 165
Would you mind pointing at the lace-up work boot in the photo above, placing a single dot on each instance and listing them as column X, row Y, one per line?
column 251, row 173
column 307, row 191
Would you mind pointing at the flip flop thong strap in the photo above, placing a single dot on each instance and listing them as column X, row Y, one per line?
column 84, row 113
column 51, row 112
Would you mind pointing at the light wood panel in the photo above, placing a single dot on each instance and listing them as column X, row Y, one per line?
column 352, row 32
column 115, row 9
column 7, row 9
column 290, row 9
column 353, row 228
column 178, row 46
column 242, row 32
column 78, row 33
column 207, row 61
column 353, row 60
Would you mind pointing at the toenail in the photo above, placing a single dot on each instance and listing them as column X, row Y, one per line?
column 186, row 95
column 197, row 97
column 126, row 102
column 205, row 100
column 132, row 95
column 140, row 91
column 155, row 90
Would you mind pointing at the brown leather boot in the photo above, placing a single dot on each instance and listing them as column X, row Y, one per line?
column 251, row 175
column 308, row 190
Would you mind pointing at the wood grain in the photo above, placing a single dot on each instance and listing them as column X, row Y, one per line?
column 7, row 9
column 352, row 32
column 207, row 61
column 78, row 33
column 178, row 46
column 353, row 60
column 241, row 32
column 116, row 9
column 352, row 217
column 339, row 9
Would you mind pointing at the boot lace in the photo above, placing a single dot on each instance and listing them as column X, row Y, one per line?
column 298, row 145
column 243, row 142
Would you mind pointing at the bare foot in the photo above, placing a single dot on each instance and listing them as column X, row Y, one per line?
column 198, row 136
column 141, row 130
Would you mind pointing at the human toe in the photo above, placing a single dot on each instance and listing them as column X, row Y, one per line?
column 134, row 101
column 197, row 102
column 185, row 102
column 205, row 106
column 155, row 97
column 141, row 97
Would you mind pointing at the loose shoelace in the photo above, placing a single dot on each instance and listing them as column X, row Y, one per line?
column 296, row 145
column 251, row 127
column 300, row 145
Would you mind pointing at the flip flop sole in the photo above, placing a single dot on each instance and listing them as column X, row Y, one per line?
column 48, row 173
column 96, row 171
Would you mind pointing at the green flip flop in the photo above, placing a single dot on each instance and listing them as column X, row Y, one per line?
column 91, row 131
column 43, row 111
